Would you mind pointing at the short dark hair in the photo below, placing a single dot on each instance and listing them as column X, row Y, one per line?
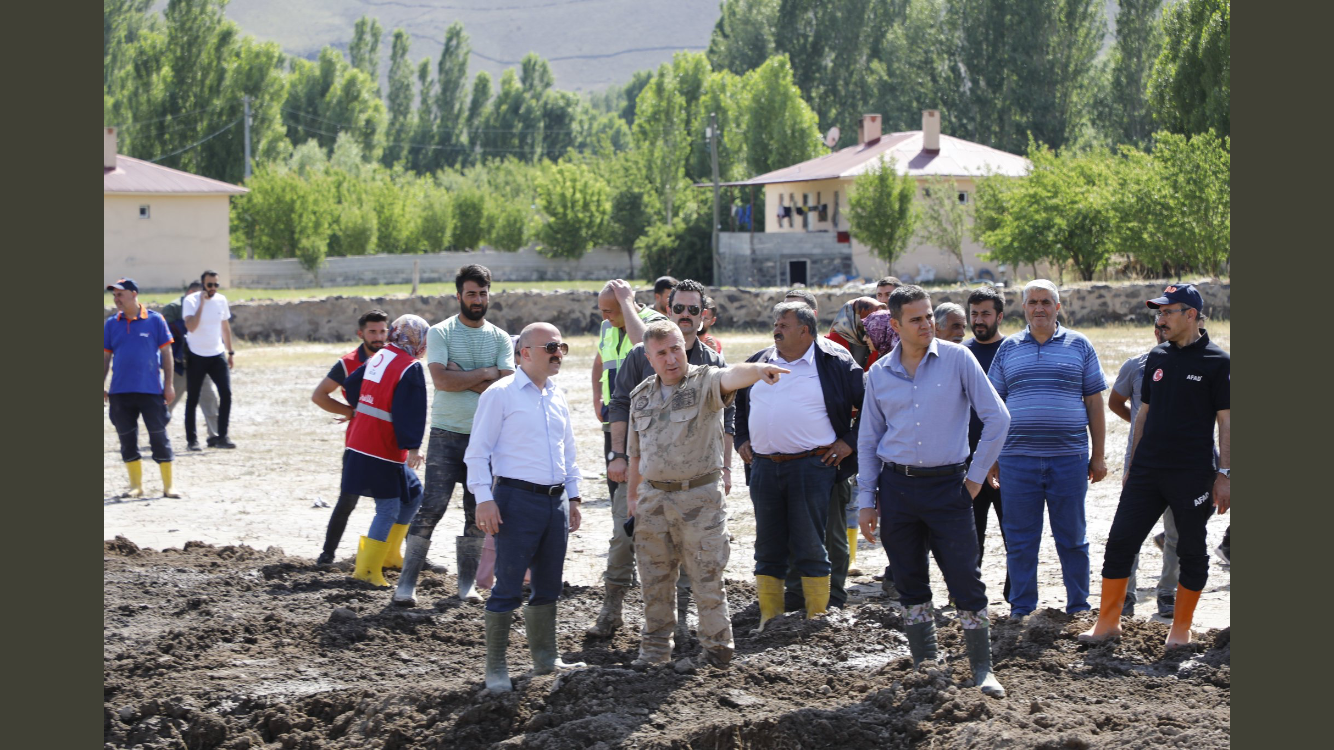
column 686, row 285
column 889, row 280
column 804, row 313
column 479, row 275
column 905, row 295
column 206, row 274
column 372, row 316
column 663, row 284
column 711, row 304
column 804, row 295
column 195, row 285
column 987, row 292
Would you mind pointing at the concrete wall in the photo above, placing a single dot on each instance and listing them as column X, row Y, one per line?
column 762, row 259
column 182, row 236
column 334, row 319
column 525, row 265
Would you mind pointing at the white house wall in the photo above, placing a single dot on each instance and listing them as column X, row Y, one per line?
column 182, row 236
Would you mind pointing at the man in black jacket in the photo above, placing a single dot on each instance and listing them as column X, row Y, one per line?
column 799, row 439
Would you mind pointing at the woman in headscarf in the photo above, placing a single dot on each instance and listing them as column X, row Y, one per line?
column 849, row 332
column 383, row 441
column 879, row 334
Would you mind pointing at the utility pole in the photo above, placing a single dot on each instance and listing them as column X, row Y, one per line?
column 246, row 100
column 713, row 154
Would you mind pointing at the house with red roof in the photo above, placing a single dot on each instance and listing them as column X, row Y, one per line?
column 162, row 227
column 806, row 235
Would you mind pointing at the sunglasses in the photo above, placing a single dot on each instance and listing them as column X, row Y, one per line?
column 551, row 347
column 694, row 309
column 211, row 286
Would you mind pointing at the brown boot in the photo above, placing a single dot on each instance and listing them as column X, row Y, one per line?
column 1182, row 614
column 1109, row 612
column 609, row 619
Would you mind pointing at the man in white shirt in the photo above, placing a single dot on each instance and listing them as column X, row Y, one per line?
column 208, row 345
column 521, row 468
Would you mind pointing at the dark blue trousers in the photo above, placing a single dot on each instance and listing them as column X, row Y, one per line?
column 533, row 532
column 444, row 470
column 1146, row 494
column 918, row 514
column 791, row 502
column 125, row 409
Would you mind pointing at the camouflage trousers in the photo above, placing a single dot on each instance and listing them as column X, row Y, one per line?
column 674, row 530
column 621, row 550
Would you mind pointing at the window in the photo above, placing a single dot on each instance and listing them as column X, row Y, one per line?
column 963, row 197
column 143, row 212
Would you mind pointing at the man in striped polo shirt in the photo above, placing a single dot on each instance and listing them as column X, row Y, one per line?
column 1052, row 384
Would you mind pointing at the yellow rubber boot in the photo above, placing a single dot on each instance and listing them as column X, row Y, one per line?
column 136, row 469
column 1109, row 612
column 167, row 490
column 816, row 593
column 370, row 556
column 1182, row 615
column 852, row 552
column 394, row 556
column 770, row 594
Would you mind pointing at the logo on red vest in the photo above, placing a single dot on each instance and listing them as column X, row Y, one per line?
column 1157, row 374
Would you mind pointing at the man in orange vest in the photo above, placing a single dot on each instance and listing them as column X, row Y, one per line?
column 384, row 439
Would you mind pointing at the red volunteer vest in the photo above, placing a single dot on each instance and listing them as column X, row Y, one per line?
column 372, row 429
column 351, row 361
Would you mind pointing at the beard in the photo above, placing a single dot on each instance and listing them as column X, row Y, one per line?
column 473, row 313
column 986, row 333
column 374, row 346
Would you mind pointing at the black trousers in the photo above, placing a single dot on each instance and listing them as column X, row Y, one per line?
column 606, row 449
column 935, row 514
column 125, row 409
column 1146, row 494
column 196, row 369
column 338, row 521
column 989, row 497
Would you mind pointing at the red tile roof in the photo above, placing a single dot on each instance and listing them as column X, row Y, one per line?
column 956, row 158
column 135, row 176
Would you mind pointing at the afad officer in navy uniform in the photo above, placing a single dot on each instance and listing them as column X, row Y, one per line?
column 1187, row 380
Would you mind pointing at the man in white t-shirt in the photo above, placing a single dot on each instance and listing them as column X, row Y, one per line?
column 208, row 351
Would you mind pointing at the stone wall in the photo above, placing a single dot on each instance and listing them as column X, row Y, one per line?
column 334, row 319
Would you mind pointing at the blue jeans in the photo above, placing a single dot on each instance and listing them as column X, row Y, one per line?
column 791, row 502
column 534, row 530
column 1061, row 483
column 392, row 510
column 444, row 470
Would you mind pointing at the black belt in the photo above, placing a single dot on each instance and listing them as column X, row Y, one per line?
column 779, row 458
column 550, row 490
column 927, row 471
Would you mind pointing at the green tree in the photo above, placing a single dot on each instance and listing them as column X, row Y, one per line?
column 365, row 48
column 290, row 216
column 433, row 231
column 780, row 128
column 881, row 210
column 628, row 221
column 575, row 206
column 945, row 220
column 743, row 37
column 917, row 70
column 509, row 230
column 1065, row 211
column 661, row 138
column 683, row 247
column 472, row 221
column 400, row 99
column 1138, row 42
column 424, row 133
column 477, row 110
column 451, row 96
column 638, row 80
column 328, row 97
column 1190, row 89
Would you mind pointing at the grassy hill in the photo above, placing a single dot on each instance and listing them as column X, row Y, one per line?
column 589, row 43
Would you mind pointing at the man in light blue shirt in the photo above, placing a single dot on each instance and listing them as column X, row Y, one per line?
column 521, row 469
column 914, row 477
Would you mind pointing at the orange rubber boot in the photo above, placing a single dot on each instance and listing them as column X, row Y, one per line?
column 1182, row 614
column 1109, row 612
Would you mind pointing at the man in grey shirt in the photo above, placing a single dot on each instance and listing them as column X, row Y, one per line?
column 912, row 453
column 685, row 308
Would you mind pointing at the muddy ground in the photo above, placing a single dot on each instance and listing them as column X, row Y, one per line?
column 211, row 642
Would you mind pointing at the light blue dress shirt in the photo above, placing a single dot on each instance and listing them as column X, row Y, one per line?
column 521, row 432
column 922, row 420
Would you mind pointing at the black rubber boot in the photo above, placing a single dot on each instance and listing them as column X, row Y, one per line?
column 497, row 642
column 978, row 643
column 469, row 555
column 414, row 559
column 540, row 624
column 922, row 641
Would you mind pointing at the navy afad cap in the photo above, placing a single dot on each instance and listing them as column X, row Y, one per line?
column 1186, row 294
column 126, row 284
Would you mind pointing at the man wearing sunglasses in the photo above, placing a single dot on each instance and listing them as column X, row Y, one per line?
column 685, row 304
column 208, row 345
column 1188, row 382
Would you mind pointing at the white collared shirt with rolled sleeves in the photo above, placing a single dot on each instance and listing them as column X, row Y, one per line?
column 521, row 432
column 790, row 416
column 922, row 420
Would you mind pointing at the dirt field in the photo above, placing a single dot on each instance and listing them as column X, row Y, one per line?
column 230, row 637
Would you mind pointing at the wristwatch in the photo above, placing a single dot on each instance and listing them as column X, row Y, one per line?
column 1227, row 473
column 613, row 455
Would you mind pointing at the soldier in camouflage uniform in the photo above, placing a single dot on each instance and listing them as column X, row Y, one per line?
column 675, row 446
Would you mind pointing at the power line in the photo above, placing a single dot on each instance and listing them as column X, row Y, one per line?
column 225, row 128
column 352, row 126
column 435, row 146
column 176, row 116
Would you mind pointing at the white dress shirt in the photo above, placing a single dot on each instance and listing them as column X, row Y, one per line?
column 521, row 432
column 789, row 416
